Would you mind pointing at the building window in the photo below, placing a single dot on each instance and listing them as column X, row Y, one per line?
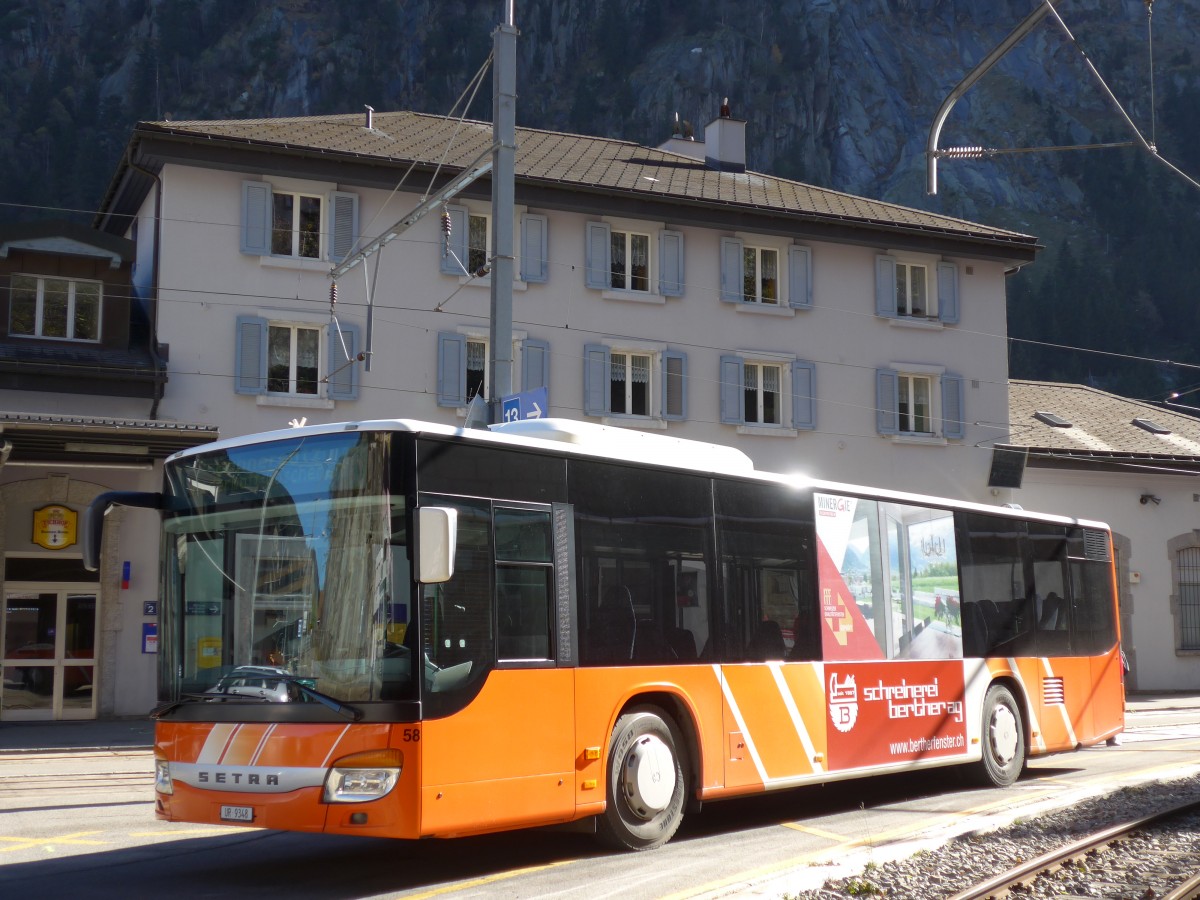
column 912, row 294
column 760, row 275
column 768, row 390
column 295, row 225
column 281, row 222
column 477, row 369
column 923, row 289
column 294, row 361
column 477, row 243
column 921, row 402
column 1187, row 591
column 59, row 308
column 915, row 404
column 629, row 384
column 464, row 363
column 629, row 261
column 642, row 381
column 763, row 387
column 754, row 275
column 293, row 365
column 623, row 259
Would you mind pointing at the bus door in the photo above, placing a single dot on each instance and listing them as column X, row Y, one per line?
column 774, row 701
column 497, row 744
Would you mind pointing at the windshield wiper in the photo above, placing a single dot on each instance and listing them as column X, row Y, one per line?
column 345, row 709
column 170, row 706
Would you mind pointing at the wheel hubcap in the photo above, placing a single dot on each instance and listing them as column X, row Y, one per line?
column 648, row 776
column 1004, row 736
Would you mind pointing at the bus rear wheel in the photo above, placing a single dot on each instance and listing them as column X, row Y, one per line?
column 646, row 783
column 1003, row 738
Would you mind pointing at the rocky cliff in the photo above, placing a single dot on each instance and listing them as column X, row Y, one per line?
column 840, row 94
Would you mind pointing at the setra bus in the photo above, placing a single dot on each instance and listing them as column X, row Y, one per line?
column 396, row 628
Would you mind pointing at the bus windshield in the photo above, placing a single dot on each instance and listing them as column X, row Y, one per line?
column 286, row 574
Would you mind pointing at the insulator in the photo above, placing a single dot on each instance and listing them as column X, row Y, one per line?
column 446, row 224
column 332, row 294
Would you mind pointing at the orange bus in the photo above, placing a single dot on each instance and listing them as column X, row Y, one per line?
column 395, row 628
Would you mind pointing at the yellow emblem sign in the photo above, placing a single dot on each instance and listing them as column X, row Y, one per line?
column 54, row 527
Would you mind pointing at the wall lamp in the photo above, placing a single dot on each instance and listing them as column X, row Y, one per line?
column 1149, row 498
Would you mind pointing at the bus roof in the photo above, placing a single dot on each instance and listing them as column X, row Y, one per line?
column 577, row 438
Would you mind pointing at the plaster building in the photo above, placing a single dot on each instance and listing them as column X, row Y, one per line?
column 660, row 288
column 1135, row 466
column 79, row 378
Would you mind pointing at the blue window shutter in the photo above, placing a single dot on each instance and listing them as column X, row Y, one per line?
column 731, row 270
column 256, row 218
column 733, row 397
column 675, row 384
column 887, row 401
column 535, row 364
column 885, row 286
column 454, row 259
column 251, row 356
column 804, row 397
column 953, row 426
column 670, row 263
column 947, row 280
column 597, row 265
column 452, row 369
column 535, row 261
column 343, row 363
column 799, row 277
column 596, row 380
column 344, row 209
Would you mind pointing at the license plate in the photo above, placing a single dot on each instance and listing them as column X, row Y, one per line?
column 237, row 813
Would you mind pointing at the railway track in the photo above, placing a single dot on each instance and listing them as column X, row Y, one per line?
column 1154, row 856
column 1076, row 851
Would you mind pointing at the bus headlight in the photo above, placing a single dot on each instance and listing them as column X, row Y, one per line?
column 362, row 777
column 162, row 777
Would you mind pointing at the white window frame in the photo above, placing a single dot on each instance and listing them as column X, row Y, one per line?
column 322, row 351
column 40, row 308
column 908, row 384
column 760, row 368
column 627, row 236
column 756, row 252
column 905, row 268
column 297, row 197
column 653, row 362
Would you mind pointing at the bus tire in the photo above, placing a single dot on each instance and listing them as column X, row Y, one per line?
column 646, row 785
column 1003, row 738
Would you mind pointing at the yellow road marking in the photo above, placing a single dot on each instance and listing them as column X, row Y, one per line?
column 73, row 838
column 490, row 879
column 815, row 832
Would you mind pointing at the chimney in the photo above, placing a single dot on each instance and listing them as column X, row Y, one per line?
column 725, row 142
column 370, row 116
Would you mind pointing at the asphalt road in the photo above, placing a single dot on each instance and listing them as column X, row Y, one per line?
column 80, row 822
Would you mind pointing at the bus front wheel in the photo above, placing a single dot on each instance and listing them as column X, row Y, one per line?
column 1003, row 738
column 646, row 784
